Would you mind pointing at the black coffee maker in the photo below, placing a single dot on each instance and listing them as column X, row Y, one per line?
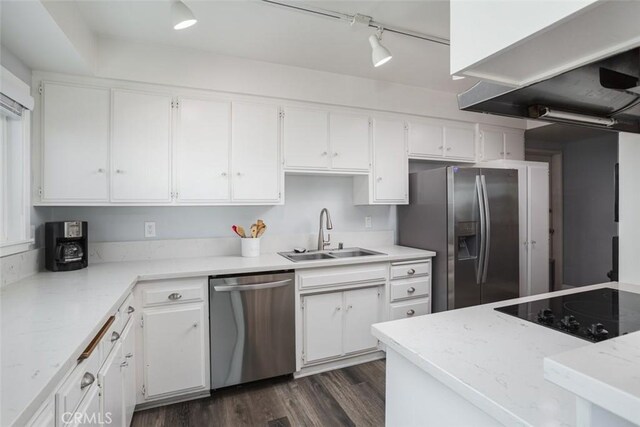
column 65, row 245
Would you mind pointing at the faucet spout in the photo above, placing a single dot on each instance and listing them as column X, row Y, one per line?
column 322, row 243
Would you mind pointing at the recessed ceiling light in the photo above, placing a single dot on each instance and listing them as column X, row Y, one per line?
column 181, row 16
column 379, row 54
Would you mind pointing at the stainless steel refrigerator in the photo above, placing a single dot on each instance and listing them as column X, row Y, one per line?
column 469, row 216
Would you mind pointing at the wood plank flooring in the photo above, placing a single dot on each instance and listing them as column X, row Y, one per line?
column 352, row 396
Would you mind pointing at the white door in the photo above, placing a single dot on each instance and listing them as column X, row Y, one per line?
column 322, row 323
column 349, row 141
column 140, row 147
column 514, row 145
column 538, row 228
column 110, row 380
column 390, row 161
column 362, row 309
column 75, row 142
column 425, row 139
column 305, row 138
column 174, row 349
column 492, row 145
column 202, row 149
column 255, row 152
column 460, row 142
column 89, row 408
column 129, row 372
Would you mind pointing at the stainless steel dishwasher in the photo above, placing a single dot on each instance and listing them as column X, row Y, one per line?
column 252, row 327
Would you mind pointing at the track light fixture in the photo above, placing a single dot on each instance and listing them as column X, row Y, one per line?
column 379, row 54
column 181, row 16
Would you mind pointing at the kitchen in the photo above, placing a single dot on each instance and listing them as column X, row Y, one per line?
column 388, row 226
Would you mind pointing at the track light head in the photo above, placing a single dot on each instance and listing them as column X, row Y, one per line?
column 379, row 54
column 181, row 16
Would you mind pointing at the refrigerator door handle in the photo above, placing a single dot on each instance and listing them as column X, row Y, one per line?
column 481, row 244
column 487, row 240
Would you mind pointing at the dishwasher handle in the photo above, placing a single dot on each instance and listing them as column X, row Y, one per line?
column 252, row 287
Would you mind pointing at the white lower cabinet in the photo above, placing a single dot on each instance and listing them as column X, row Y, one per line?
column 110, row 381
column 336, row 324
column 128, row 373
column 88, row 413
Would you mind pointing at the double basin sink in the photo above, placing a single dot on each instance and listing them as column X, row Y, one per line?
column 329, row 254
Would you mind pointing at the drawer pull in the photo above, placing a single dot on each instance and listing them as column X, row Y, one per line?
column 115, row 336
column 129, row 355
column 411, row 272
column 130, row 310
column 411, row 290
column 124, row 364
column 87, row 380
column 411, row 312
column 175, row 296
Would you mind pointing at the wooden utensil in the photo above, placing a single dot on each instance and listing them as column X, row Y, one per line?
column 241, row 232
column 261, row 230
column 254, row 230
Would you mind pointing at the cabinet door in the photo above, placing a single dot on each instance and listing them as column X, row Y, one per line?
column 174, row 349
column 255, row 153
column 492, row 145
column 514, row 145
column 460, row 142
column 88, row 413
column 349, row 141
column 110, row 380
column 140, row 147
column 306, row 138
column 362, row 309
column 390, row 161
column 202, row 149
column 322, row 319
column 75, row 141
column 426, row 139
column 538, row 230
column 129, row 372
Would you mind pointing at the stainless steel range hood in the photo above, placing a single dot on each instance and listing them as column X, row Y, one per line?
column 604, row 95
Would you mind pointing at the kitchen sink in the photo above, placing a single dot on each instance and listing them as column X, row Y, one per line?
column 330, row 254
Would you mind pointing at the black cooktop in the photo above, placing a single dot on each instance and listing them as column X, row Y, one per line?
column 591, row 315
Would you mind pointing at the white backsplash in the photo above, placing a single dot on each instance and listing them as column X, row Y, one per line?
column 221, row 246
column 18, row 266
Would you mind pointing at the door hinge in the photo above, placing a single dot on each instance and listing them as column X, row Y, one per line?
column 144, row 390
column 40, row 89
column 141, row 322
column 281, row 114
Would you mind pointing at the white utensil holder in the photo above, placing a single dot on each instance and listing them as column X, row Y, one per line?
column 250, row 247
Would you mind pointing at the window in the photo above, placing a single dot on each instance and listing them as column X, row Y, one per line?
column 15, row 235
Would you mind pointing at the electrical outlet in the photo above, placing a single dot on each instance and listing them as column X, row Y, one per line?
column 149, row 229
column 367, row 222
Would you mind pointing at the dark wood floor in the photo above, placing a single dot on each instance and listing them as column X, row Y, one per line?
column 351, row 396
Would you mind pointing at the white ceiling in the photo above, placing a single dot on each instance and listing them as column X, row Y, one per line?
column 256, row 30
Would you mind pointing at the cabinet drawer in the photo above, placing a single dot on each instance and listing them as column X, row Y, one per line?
column 173, row 291
column 333, row 276
column 125, row 312
column 410, row 308
column 410, row 269
column 410, row 288
column 83, row 378
column 110, row 338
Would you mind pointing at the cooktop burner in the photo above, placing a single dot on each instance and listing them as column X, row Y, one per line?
column 591, row 315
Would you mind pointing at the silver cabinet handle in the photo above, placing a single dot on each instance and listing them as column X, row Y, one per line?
column 223, row 174
column 115, row 336
column 195, row 325
column 119, row 171
column 411, row 272
column 349, row 307
column 128, row 355
column 411, row 312
column 87, row 380
column 440, row 147
column 100, row 170
column 130, row 310
column 379, row 178
column 239, row 173
column 411, row 290
column 124, row 364
column 448, row 148
column 175, row 296
column 324, row 153
column 508, row 153
column 338, row 308
column 335, row 154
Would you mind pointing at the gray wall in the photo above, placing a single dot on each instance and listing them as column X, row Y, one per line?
column 305, row 197
column 589, row 158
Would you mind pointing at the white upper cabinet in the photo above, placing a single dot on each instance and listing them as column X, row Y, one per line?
column 256, row 171
column 441, row 140
column 501, row 143
column 306, row 138
column 319, row 140
column 349, row 141
column 75, row 143
column 140, row 147
column 390, row 162
column 201, row 150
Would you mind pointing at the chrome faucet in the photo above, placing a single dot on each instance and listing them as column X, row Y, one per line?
column 322, row 244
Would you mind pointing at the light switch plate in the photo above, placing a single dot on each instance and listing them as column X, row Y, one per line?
column 367, row 222
column 149, row 229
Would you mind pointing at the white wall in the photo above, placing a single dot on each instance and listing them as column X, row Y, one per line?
column 629, row 225
column 306, row 196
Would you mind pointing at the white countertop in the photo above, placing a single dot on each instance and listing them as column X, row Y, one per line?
column 48, row 319
column 496, row 361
